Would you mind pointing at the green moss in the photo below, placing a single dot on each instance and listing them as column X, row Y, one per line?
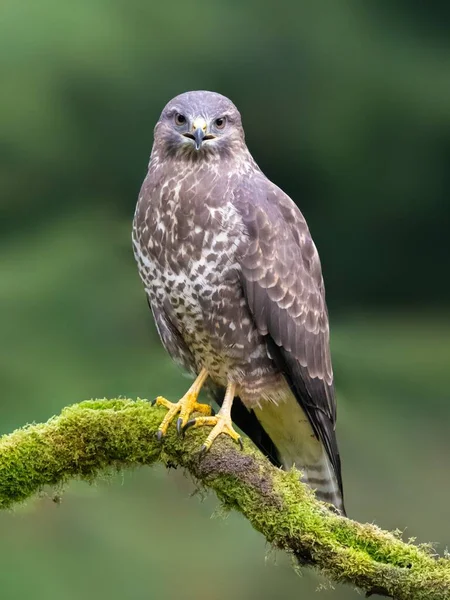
column 95, row 436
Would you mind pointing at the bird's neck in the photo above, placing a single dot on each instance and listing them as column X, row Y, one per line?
column 239, row 163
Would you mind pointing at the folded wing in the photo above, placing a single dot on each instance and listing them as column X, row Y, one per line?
column 283, row 285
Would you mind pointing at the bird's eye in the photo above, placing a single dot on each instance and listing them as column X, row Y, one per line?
column 220, row 122
column 180, row 119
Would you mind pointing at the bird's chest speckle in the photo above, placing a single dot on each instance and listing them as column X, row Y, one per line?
column 186, row 249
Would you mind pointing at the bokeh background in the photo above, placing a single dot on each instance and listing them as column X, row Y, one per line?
column 346, row 106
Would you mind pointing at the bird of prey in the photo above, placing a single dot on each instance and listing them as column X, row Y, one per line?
column 234, row 282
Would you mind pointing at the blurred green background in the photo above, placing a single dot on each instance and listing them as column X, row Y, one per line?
column 346, row 105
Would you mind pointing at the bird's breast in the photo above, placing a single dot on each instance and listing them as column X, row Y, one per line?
column 187, row 254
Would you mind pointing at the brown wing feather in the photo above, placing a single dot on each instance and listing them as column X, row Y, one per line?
column 282, row 280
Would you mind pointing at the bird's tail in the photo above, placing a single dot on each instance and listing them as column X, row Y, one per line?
column 319, row 475
column 296, row 445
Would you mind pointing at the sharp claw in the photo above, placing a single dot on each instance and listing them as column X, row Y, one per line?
column 159, row 435
column 203, row 450
column 179, row 426
column 213, row 412
column 190, row 423
column 241, row 443
column 153, row 402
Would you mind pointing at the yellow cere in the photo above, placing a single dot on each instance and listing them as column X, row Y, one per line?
column 199, row 123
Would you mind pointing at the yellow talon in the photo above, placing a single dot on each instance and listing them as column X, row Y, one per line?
column 221, row 422
column 185, row 407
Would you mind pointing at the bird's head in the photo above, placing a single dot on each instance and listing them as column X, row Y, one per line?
column 199, row 124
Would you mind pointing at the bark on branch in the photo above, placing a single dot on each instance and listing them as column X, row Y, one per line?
column 95, row 435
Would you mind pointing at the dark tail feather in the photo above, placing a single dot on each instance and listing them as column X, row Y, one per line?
column 246, row 421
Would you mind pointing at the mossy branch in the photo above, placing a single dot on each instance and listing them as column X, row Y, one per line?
column 95, row 435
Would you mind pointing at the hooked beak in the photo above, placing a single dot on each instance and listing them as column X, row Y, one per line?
column 199, row 135
column 199, row 129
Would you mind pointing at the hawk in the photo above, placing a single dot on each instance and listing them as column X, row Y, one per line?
column 234, row 282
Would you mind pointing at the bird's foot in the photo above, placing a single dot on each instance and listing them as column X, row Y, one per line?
column 221, row 423
column 184, row 407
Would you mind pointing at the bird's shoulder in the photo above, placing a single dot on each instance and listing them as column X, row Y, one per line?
column 277, row 231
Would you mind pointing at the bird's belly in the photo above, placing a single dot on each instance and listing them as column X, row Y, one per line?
column 207, row 315
column 212, row 317
column 204, row 301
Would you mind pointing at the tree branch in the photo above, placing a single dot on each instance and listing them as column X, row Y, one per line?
column 95, row 435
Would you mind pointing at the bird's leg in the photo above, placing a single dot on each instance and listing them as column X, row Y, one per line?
column 185, row 407
column 221, row 422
